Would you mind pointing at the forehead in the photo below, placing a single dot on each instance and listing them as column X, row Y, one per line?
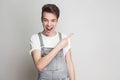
column 48, row 15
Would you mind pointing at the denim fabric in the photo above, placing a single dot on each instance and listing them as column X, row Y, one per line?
column 56, row 69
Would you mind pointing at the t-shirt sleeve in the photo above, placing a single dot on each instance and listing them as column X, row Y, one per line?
column 34, row 43
column 66, row 49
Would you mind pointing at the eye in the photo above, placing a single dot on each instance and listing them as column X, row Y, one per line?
column 53, row 20
column 45, row 20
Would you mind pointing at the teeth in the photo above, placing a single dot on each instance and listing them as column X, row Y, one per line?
column 49, row 28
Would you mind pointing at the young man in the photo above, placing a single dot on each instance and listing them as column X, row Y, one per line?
column 50, row 50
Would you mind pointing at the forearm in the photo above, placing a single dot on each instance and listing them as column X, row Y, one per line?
column 44, row 61
column 71, row 71
column 70, row 65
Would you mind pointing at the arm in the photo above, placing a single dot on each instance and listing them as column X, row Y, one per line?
column 70, row 66
column 41, row 62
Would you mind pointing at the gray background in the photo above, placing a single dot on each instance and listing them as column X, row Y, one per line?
column 95, row 45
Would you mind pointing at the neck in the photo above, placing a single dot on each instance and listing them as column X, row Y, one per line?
column 49, row 34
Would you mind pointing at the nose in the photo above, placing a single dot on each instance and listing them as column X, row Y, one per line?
column 49, row 23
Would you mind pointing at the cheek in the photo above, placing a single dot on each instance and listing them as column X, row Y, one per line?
column 44, row 23
column 54, row 23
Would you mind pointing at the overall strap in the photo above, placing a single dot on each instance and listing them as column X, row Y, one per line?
column 41, row 40
column 60, row 36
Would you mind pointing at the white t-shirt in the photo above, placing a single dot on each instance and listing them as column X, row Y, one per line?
column 50, row 42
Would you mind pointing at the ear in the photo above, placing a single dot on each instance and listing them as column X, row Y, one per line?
column 41, row 19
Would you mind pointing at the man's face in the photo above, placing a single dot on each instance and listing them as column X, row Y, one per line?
column 49, row 22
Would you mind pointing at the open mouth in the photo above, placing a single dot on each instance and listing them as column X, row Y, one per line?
column 49, row 29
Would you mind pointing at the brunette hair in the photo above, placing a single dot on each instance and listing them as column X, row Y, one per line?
column 51, row 8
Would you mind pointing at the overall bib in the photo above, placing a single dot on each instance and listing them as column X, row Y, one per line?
column 56, row 69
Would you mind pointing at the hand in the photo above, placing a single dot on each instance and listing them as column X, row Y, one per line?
column 64, row 42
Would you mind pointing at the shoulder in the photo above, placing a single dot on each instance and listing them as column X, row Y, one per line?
column 34, row 36
column 63, row 35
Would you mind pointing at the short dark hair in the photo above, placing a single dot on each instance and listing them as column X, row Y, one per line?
column 52, row 8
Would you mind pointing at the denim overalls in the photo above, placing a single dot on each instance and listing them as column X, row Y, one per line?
column 56, row 69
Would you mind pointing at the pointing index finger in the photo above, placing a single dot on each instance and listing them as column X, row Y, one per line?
column 69, row 35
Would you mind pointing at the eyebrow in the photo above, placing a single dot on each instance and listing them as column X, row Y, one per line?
column 44, row 18
column 51, row 19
